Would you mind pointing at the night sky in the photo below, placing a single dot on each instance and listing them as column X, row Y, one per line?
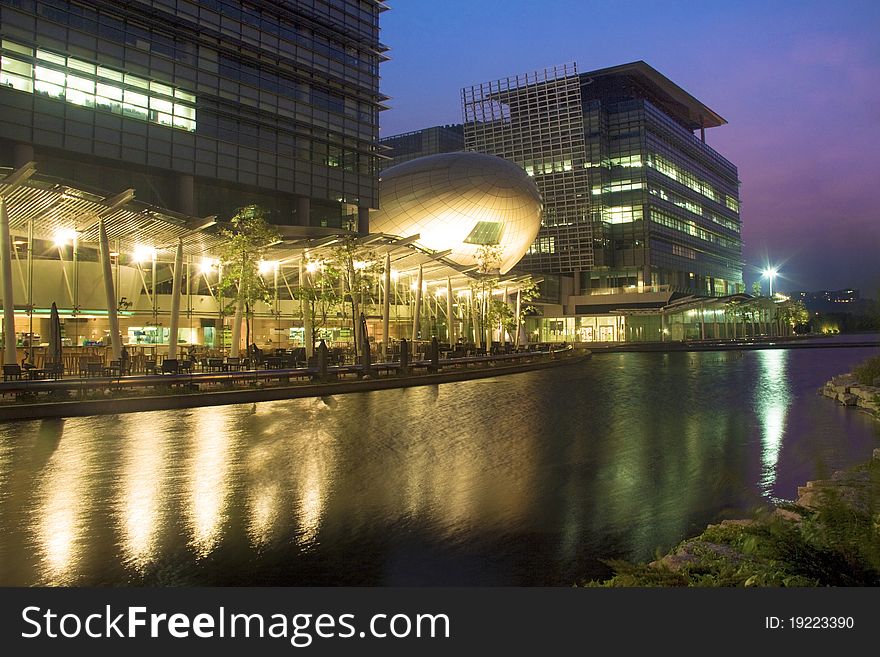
column 798, row 82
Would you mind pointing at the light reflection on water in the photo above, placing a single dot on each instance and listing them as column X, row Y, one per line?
column 61, row 514
column 772, row 402
column 208, row 486
column 139, row 503
column 528, row 479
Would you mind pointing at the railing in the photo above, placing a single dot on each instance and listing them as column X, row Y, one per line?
column 101, row 377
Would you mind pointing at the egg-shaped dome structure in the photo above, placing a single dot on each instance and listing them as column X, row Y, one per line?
column 460, row 201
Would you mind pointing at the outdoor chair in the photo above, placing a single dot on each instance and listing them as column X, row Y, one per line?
column 55, row 370
column 170, row 366
column 12, row 372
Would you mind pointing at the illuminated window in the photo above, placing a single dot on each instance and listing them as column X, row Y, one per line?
column 485, row 232
column 627, row 161
column 622, row 214
column 621, row 186
column 683, row 176
column 16, row 73
column 81, row 83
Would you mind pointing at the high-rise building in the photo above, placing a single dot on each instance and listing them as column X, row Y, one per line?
column 633, row 198
column 201, row 107
column 419, row 143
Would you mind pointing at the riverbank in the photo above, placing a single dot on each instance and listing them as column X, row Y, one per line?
column 849, row 391
column 762, row 342
column 830, row 536
column 158, row 392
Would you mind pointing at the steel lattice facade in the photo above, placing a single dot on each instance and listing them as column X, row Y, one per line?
column 536, row 120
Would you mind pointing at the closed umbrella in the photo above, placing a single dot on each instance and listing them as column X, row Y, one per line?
column 53, row 351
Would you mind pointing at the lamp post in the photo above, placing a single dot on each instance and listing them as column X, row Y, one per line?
column 770, row 273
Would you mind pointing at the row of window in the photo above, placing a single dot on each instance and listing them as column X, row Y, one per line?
column 670, row 132
column 82, row 83
column 691, row 228
column 688, row 179
column 116, row 29
column 268, row 80
column 622, row 214
column 617, row 186
column 543, row 244
column 695, row 208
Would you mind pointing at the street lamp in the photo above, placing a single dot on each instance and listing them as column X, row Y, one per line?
column 770, row 273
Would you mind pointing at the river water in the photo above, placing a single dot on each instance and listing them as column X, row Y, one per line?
column 529, row 479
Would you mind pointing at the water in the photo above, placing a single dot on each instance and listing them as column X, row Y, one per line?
column 530, row 479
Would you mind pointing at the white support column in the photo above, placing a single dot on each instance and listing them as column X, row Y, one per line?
column 386, row 307
column 450, row 320
column 305, row 308
column 30, row 278
column 10, row 356
column 518, row 317
column 417, row 311
column 175, row 300
column 109, row 292
column 472, row 308
column 236, row 330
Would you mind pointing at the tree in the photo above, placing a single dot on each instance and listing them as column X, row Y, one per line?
column 793, row 313
column 488, row 259
column 318, row 292
column 756, row 289
column 529, row 291
column 246, row 243
column 357, row 267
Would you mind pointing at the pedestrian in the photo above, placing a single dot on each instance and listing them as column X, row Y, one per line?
column 123, row 360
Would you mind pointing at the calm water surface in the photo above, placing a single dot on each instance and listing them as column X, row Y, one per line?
column 530, row 479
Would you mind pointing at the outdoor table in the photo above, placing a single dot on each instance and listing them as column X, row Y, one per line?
column 111, row 370
column 36, row 374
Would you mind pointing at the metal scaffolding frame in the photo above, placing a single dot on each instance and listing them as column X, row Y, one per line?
column 536, row 120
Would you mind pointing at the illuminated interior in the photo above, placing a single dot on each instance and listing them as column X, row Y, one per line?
column 79, row 82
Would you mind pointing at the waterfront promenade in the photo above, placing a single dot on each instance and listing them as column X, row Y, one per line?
column 81, row 396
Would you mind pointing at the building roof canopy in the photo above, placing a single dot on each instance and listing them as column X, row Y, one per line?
column 53, row 207
column 663, row 92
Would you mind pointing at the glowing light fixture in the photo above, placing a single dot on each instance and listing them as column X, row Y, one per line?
column 312, row 267
column 64, row 236
column 770, row 273
column 143, row 253
column 206, row 265
column 267, row 266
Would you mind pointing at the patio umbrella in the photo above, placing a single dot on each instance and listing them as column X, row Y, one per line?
column 53, row 351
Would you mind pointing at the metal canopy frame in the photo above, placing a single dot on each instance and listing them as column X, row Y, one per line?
column 48, row 206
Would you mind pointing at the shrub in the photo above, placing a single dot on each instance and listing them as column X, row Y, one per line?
column 868, row 372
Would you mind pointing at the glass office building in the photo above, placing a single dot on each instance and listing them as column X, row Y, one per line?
column 201, row 107
column 634, row 197
column 419, row 143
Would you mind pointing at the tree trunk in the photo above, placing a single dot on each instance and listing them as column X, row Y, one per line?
column 247, row 326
